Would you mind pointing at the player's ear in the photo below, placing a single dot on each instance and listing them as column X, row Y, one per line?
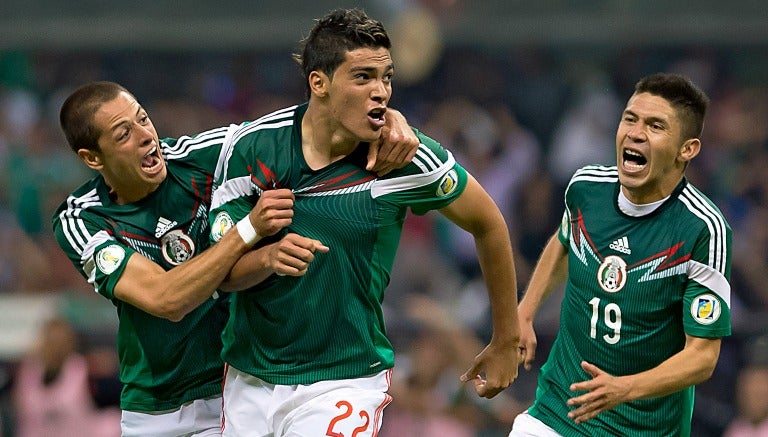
column 318, row 83
column 91, row 158
column 689, row 149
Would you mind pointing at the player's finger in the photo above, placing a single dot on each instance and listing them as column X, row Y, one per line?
column 471, row 373
column 373, row 153
column 384, row 169
column 529, row 354
column 319, row 247
column 277, row 192
column 591, row 369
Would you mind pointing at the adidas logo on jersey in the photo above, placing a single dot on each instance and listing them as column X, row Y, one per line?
column 163, row 226
column 621, row 245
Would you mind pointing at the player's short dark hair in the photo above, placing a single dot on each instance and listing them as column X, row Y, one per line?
column 688, row 99
column 335, row 34
column 78, row 110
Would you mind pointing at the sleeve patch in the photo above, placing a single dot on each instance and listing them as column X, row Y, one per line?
column 221, row 224
column 705, row 309
column 448, row 184
column 109, row 258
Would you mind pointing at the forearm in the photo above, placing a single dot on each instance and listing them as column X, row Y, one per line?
column 691, row 366
column 494, row 252
column 173, row 293
column 249, row 270
column 551, row 271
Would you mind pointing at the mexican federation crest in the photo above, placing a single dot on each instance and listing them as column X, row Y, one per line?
column 177, row 247
column 612, row 274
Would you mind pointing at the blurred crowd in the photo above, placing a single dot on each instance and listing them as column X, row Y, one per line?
column 520, row 119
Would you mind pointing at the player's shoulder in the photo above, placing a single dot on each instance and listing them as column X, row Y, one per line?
column 431, row 157
column 188, row 145
column 596, row 173
column 83, row 205
column 270, row 124
column 593, row 177
column 87, row 194
column 700, row 207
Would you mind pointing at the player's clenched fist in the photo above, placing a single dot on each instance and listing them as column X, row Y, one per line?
column 273, row 211
column 292, row 254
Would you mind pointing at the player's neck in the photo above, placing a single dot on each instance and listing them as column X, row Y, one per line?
column 322, row 142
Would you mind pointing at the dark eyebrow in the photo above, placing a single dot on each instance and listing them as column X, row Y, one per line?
column 122, row 123
column 388, row 68
column 648, row 120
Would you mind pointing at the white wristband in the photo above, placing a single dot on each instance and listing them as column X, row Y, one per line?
column 247, row 231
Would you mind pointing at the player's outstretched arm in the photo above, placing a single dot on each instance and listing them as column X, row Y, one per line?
column 395, row 148
column 691, row 366
column 495, row 368
column 173, row 293
column 550, row 272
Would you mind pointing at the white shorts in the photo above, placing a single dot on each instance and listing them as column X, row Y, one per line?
column 200, row 418
column 528, row 426
column 255, row 408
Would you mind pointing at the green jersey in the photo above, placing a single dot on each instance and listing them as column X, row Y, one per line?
column 327, row 324
column 636, row 286
column 163, row 364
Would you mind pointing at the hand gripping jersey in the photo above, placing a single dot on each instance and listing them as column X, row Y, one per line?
column 163, row 364
column 327, row 324
column 636, row 286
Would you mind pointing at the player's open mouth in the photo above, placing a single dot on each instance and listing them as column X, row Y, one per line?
column 633, row 161
column 152, row 160
column 377, row 118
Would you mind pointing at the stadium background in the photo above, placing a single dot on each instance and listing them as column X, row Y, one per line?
column 523, row 92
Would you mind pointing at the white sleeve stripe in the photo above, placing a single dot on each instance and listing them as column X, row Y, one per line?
column 279, row 114
column 426, row 158
column 710, row 278
column 279, row 118
column 185, row 144
column 232, row 189
column 226, row 151
column 715, row 225
column 73, row 227
column 178, row 154
column 719, row 222
column 254, row 127
column 382, row 187
column 70, row 236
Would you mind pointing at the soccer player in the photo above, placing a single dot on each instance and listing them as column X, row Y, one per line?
column 139, row 232
column 309, row 355
column 646, row 258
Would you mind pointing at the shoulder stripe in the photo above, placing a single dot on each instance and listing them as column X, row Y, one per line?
column 699, row 206
column 432, row 170
column 425, row 159
column 594, row 173
column 77, row 234
column 72, row 226
column 274, row 120
column 186, row 144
